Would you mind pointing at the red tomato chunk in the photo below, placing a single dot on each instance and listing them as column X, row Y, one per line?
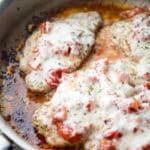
column 131, row 13
column 45, row 27
column 90, row 105
column 147, row 85
column 53, row 78
column 60, row 115
column 113, row 135
column 134, row 106
column 69, row 133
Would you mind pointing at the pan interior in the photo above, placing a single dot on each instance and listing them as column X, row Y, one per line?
column 17, row 102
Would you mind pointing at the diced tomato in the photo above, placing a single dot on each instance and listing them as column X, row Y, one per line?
column 135, row 129
column 113, row 135
column 35, row 50
column 147, row 76
column 69, row 133
column 67, row 52
column 53, row 78
column 56, row 72
column 93, row 79
column 52, row 83
column 60, row 115
column 106, row 61
column 134, row 106
column 106, row 145
column 122, row 76
column 72, row 134
column 131, row 13
column 45, row 27
column 147, row 85
column 90, row 105
column 146, row 147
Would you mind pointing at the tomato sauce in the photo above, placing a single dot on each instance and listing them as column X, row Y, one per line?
column 19, row 104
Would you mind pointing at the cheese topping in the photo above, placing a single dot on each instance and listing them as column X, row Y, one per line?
column 107, row 105
column 132, row 35
column 109, row 108
column 62, row 44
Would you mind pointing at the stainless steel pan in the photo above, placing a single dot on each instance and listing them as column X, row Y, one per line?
column 14, row 15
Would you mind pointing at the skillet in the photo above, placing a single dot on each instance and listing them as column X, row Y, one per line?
column 15, row 15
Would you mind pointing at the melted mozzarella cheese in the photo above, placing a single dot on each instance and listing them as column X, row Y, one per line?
column 108, row 103
column 62, row 44
column 132, row 35
column 111, row 98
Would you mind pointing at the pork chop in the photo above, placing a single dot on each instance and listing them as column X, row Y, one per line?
column 57, row 47
column 130, row 36
column 103, row 106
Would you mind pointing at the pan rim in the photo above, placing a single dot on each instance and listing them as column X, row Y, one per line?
column 8, row 131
